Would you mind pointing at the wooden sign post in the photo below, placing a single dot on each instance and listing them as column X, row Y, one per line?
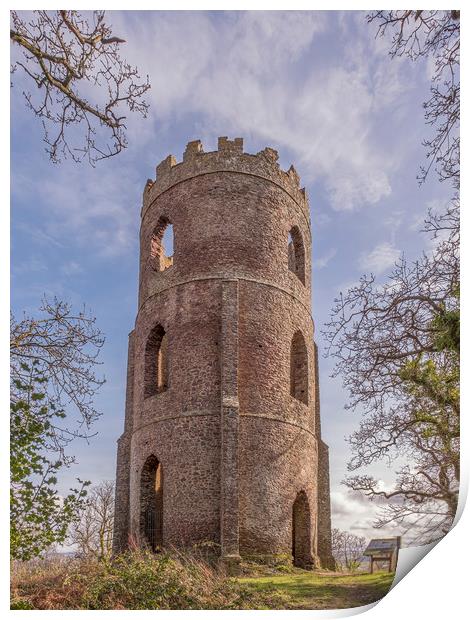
column 384, row 550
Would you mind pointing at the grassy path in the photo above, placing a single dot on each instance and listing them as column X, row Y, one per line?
column 313, row 590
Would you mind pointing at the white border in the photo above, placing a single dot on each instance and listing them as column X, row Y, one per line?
column 437, row 586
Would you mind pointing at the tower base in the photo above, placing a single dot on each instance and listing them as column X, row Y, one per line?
column 230, row 564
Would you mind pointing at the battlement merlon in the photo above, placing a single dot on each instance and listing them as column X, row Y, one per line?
column 229, row 157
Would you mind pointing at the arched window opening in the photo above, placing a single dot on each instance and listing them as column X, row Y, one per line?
column 296, row 253
column 151, row 503
column 299, row 368
column 162, row 365
column 161, row 245
column 156, row 362
column 301, row 532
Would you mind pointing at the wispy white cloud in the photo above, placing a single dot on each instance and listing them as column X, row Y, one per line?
column 321, row 219
column 354, row 512
column 71, row 268
column 94, row 208
column 310, row 83
column 381, row 258
column 322, row 261
column 31, row 265
column 35, row 234
column 272, row 76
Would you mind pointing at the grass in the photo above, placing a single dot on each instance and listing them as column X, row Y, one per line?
column 176, row 580
column 316, row 590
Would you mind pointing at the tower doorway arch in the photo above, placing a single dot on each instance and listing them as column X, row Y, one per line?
column 301, row 532
column 151, row 503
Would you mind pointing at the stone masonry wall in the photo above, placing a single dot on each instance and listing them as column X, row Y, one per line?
column 236, row 449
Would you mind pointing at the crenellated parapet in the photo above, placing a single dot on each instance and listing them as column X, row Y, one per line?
column 229, row 157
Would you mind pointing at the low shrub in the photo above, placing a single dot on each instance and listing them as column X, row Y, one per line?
column 135, row 580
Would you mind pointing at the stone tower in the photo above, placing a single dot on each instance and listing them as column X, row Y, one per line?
column 222, row 428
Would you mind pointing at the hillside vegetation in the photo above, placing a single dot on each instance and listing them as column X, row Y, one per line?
column 142, row 580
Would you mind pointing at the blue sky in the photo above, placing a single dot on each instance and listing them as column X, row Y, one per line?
column 319, row 88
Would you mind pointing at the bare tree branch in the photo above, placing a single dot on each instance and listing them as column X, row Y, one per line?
column 71, row 60
column 396, row 347
column 347, row 549
column 65, row 346
column 435, row 34
column 92, row 532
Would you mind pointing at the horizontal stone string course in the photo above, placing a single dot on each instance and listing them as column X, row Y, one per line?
column 164, row 286
column 228, row 403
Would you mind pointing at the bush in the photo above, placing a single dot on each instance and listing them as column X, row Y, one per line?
column 135, row 580
column 21, row 604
